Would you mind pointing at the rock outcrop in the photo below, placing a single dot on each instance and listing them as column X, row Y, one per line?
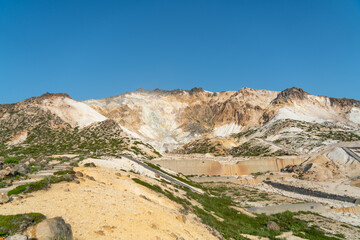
column 53, row 228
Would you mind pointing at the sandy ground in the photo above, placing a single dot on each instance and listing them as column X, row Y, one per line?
column 111, row 207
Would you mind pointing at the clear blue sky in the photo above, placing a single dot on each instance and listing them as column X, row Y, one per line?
column 94, row 49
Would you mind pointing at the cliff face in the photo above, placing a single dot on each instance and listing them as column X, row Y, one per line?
column 169, row 119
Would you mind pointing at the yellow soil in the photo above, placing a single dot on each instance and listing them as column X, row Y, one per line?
column 111, row 207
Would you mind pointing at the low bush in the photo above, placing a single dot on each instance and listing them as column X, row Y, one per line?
column 11, row 160
column 12, row 224
column 168, row 194
column 64, row 172
column 30, row 187
column 36, row 186
column 74, row 164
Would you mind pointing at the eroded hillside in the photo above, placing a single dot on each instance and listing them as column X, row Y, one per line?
column 55, row 123
column 170, row 119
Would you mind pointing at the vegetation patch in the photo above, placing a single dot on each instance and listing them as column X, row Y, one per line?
column 246, row 133
column 168, row 194
column 235, row 223
column 90, row 164
column 215, row 211
column 12, row 224
column 40, row 185
column 104, row 138
column 11, row 160
column 247, row 149
column 64, row 172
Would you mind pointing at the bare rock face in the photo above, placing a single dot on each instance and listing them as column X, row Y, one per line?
column 170, row 119
column 344, row 102
column 288, row 94
column 53, row 228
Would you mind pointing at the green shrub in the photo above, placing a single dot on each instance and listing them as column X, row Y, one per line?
column 232, row 224
column 11, row 160
column 11, row 224
column 36, row 186
column 74, row 164
column 91, row 164
column 30, row 187
column 168, row 194
column 64, row 172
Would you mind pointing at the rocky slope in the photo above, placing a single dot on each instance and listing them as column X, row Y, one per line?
column 126, row 210
column 247, row 122
column 277, row 138
column 55, row 123
column 170, row 119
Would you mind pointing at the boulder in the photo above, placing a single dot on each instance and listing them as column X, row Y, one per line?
column 4, row 198
column 23, row 169
column 90, row 178
column 52, row 228
column 8, row 182
column 273, row 225
column 181, row 218
column 90, row 164
column 4, row 173
column 69, row 177
column 17, row 237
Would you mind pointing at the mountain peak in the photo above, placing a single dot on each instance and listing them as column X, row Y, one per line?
column 167, row 92
column 48, row 96
column 290, row 94
column 196, row 90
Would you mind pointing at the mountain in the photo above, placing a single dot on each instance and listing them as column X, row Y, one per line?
column 247, row 122
column 56, row 123
column 169, row 119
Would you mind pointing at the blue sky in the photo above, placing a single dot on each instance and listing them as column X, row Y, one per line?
column 95, row 49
